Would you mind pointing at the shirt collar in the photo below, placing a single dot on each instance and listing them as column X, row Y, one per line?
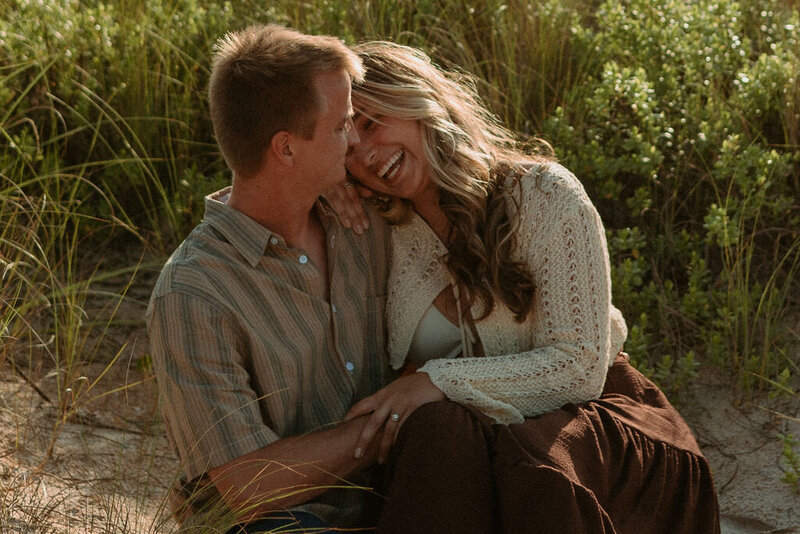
column 247, row 236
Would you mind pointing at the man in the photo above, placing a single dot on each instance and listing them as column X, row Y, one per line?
column 267, row 323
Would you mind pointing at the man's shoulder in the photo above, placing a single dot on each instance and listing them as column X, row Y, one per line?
column 375, row 239
column 377, row 221
column 380, row 239
column 195, row 265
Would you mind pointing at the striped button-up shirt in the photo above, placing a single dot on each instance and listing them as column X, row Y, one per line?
column 247, row 346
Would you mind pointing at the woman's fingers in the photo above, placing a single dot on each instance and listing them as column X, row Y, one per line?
column 390, row 407
column 364, row 192
column 362, row 407
column 389, row 433
column 346, row 201
column 399, row 424
column 354, row 209
column 369, row 431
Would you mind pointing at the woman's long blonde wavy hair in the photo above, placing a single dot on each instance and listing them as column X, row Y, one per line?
column 475, row 162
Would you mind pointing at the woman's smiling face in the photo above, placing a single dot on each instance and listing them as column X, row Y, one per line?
column 389, row 158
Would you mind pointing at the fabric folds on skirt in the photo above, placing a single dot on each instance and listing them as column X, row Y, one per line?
column 625, row 463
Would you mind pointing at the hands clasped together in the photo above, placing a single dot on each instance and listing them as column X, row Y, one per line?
column 390, row 407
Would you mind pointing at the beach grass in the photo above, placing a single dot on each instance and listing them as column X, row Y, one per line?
column 682, row 120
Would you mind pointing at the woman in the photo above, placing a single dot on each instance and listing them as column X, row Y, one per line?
column 500, row 300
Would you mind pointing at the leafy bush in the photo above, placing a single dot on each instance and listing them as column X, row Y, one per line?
column 681, row 118
column 691, row 125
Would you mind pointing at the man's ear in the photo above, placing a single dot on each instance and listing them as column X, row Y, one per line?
column 282, row 147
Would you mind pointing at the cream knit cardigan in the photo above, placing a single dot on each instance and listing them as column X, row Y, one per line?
column 562, row 352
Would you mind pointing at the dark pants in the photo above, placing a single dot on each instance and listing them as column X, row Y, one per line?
column 283, row 522
column 625, row 463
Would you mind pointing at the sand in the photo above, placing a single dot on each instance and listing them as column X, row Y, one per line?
column 108, row 470
column 741, row 441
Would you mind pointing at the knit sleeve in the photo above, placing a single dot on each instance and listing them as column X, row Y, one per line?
column 561, row 353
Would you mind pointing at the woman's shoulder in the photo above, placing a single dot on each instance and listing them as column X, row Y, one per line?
column 553, row 184
column 549, row 176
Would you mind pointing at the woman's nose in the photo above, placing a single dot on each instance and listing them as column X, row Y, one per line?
column 363, row 151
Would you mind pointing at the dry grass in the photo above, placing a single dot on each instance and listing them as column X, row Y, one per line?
column 105, row 467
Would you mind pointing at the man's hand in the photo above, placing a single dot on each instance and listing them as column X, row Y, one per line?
column 291, row 470
column 391, row 406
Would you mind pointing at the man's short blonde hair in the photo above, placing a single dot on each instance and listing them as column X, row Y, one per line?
column 262, row 83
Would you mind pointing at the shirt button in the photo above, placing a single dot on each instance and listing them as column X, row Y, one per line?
column 303, row 259
column 334, row 308
column 273, row 240
column 333, row 240
column 349, row 366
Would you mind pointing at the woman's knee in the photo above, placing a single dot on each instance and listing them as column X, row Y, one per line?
column 440, row 472
column 446, row 422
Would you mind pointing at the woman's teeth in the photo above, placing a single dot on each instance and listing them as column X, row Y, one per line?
column 388, row 165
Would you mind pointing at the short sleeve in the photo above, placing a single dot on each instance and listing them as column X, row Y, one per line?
column 200, row 365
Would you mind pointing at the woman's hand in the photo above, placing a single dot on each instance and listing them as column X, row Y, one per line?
column 391, row 406
column 346, row 201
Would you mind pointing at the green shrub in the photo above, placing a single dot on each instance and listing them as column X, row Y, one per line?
column 681, row 118
column 692, row 126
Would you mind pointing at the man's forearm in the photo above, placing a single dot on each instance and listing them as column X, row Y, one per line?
column 292, row 470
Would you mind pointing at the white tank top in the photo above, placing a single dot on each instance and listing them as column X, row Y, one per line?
column 435, row 337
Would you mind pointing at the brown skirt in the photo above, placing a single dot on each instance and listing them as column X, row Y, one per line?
column 625, row 463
